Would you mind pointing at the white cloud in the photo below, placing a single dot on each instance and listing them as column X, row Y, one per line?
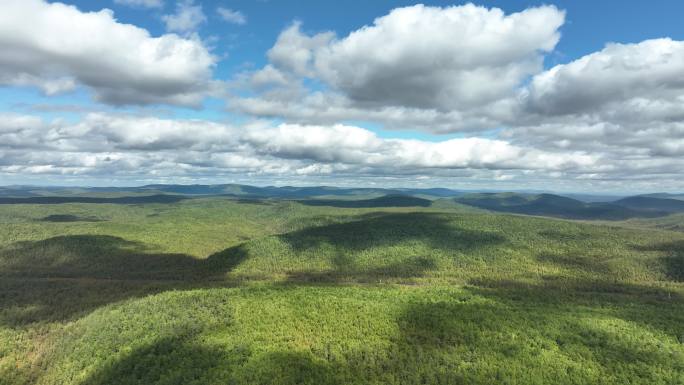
column 121, row 63
column 444, row 58
column 290, row 102
column 294, row 51
column 357, row 146
column 126, row 147
column 625, row 101
column 141, row 3
column 49, row 87
column 232, row 16
column 285, row 149
column 445, row 69
column 623, row 105
column 624, row 77
column 153, row 134
column 187, row 19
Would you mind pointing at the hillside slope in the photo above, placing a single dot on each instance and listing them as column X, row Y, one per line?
column 550, row 205
column 217, row 291
column 657, row 205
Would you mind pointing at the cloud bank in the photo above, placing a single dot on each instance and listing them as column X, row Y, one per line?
column 143, row 144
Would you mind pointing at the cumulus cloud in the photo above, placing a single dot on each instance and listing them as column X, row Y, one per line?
column 187, row 19
column 232, row 16
column 466, row 69
column 120, row 63
column 623, row 104
column 354, row 145
column 460, row 64
column 141, row 3
column 626, row 101
column 429, row 57
column 643, row 76
column 294, row 51
column 262, row 148
column 293, row 103
column 127, row 147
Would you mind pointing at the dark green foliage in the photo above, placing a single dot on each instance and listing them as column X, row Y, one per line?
column 103, row 256
column 224, row 291
column 171, row 360
column 385, row 201
column 68, row 218
column 673, row 259
column 386, row 229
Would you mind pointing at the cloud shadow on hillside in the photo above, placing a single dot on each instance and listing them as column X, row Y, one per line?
column 173, row 359
column 378, row 230
column 618, row 298
column 66, row 276
column 498, row 330
column 63, row 218
column 384, row 201
column 672, row 257
column 181, row 360
column 387, row 229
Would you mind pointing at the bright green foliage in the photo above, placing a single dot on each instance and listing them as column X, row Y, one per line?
column 214, row 291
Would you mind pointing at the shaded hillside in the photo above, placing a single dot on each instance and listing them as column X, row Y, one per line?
column 159, row 198
column 551, row 205
column 435, row 192
column 385, row 201
column 223, row 291
column 664, row 196
column 672, row 222
column 594, row 198
column 647, row 203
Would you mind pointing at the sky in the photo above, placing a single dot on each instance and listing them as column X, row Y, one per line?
column 566, row 96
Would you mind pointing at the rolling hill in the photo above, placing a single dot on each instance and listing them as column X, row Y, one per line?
column 665, row 196
column 586, row 207
column 384, row 201
column 652, row 204
column 239, row 291
column 553, row 206
column 237, row 190
column 156, row 198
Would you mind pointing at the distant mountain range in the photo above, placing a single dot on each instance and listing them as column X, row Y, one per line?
column 240, row 190
column 564, row 207
column 650, row 203
column 136, row 199
column 383, row 201
column 570, row 206
column 665, row 196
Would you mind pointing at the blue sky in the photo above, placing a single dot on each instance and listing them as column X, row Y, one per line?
column 491, row 116
column 589, row 26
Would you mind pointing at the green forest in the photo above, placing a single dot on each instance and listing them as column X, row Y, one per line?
column 222, row 290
